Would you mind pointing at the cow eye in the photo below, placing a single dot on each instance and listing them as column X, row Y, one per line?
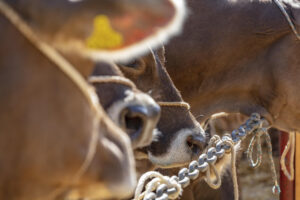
column 137, row 66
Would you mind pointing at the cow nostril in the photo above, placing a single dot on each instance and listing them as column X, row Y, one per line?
column 195, row 143
column 139, row 121
column 133, row 125
column 133, row 121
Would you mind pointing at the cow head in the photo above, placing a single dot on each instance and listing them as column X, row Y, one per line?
column 179, row 136
column 134, row 111
column 55, row 139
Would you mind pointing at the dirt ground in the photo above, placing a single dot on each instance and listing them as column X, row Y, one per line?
column 257, row 183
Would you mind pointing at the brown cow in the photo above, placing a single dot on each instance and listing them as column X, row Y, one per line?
column 48, row 128
column 179, row 137
column 56, row 141
column 239, row 56
column 170, row 145
column 150, row 75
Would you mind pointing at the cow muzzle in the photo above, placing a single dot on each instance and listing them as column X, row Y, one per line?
column 185, row 146
column 139, row 121
column 137, row 115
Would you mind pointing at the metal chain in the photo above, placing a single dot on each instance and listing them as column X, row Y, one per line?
column 163, row 187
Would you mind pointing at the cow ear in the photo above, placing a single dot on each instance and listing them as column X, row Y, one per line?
column 150, row 65
column 161, row 54
column 158, row 70
column 147, row 24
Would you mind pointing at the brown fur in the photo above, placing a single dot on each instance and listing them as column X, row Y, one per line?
column 46, row 126
column 150, row 76
column 46, row 123
column 238, row 57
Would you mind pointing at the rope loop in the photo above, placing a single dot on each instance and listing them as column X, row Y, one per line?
column 214, row 185
column 255, row 141
column 276, row 188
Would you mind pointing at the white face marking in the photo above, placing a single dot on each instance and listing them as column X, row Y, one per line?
column 178, row 153
column 156, row 134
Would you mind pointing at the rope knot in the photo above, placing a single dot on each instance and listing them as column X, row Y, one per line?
column 164, row 186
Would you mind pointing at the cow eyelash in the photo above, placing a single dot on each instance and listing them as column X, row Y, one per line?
column 136, row 64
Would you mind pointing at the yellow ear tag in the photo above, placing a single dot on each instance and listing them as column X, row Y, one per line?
column 103, row 36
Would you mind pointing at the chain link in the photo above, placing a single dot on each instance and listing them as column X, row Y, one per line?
column 218, row 147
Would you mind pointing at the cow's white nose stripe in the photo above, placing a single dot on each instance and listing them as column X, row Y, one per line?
column 178, row 153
